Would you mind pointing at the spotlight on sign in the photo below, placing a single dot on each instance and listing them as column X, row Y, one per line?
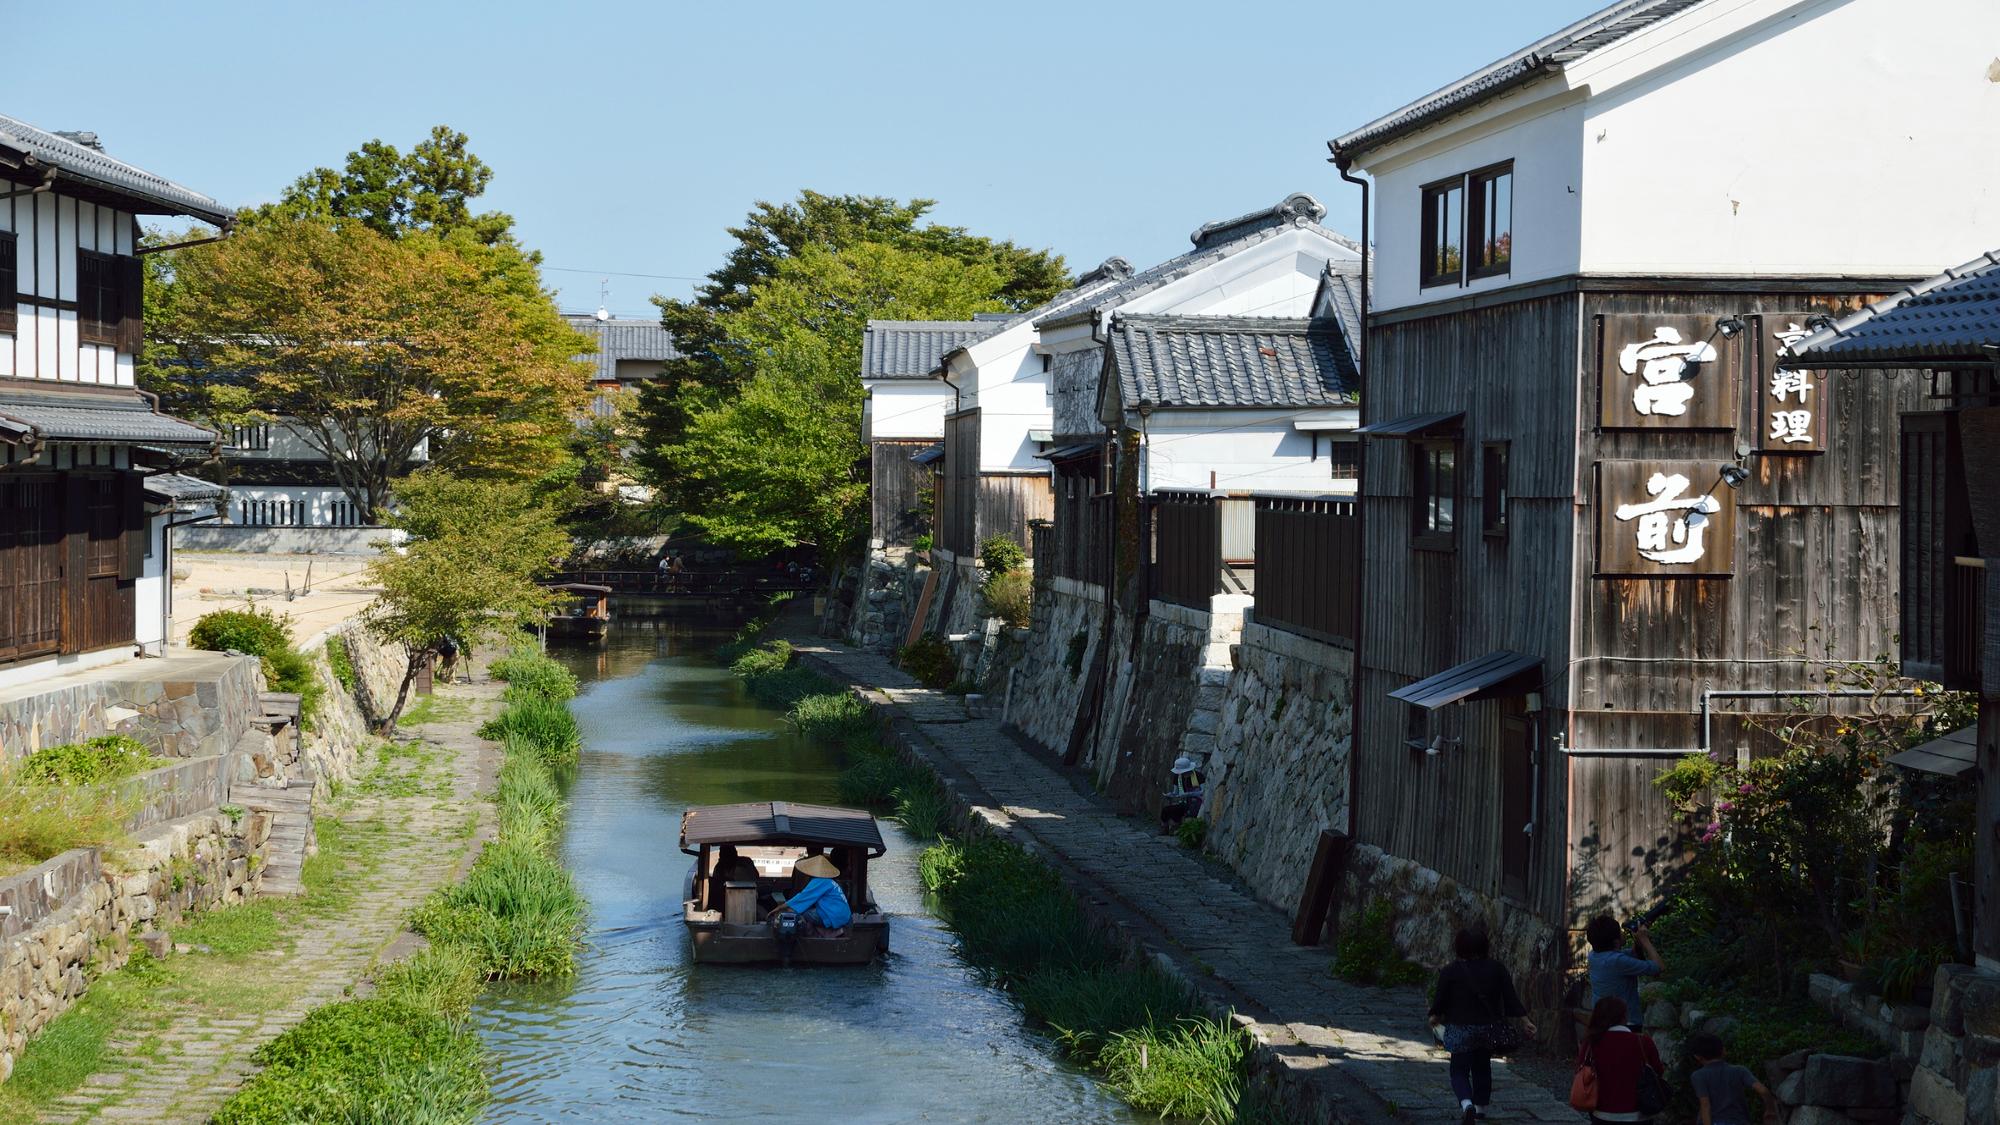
column 1734, row 475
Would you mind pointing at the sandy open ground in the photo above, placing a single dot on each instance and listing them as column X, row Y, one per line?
column 225, row 580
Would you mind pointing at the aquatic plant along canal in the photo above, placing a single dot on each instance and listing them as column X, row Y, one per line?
column 641, row 1033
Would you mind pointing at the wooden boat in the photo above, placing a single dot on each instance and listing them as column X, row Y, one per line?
column 585, row 613
column 744, row 857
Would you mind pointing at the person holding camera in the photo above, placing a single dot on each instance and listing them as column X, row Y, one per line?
column 1614, row 973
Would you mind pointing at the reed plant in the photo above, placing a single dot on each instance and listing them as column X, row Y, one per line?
column 775, row 656
column 517, row 911
column 444, row 979
column 836, row 716
column 543, row 723
column 1191, row 1069
column 375, row 1060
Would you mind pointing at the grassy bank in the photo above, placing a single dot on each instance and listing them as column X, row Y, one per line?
column 1139, row 1027
column 405, row 1055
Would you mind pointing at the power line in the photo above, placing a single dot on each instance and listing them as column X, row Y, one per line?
column 625, row 273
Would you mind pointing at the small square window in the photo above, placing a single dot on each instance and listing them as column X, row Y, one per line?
column 1344, row 455
column 1493, row 489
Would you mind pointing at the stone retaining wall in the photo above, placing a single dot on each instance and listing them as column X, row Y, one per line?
column 1944, row 1057
column 90, row 914
column 1157, row 700
column 180, row 790
column 342, row 727
column 1053, row 670
column 889, row 584
column 184, row 706
column 1277, row 762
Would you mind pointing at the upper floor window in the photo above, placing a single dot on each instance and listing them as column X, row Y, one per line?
column 1435, row 493
column 1468, row 226
column 255, row 436
column 107, row 299
column 1493, row 489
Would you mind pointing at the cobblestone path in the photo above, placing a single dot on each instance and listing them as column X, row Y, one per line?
column 415, row 816
column 1366, row 1051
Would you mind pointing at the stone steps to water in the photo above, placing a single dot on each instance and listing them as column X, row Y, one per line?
column 290, row 809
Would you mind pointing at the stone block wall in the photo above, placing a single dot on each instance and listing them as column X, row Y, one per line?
column 889, row 586
column 1055, row 659
column 1944, row 1057
column 1155, row 698
column 183, row 706
column 84, row 917
column 1278, row 759
column 342, row 727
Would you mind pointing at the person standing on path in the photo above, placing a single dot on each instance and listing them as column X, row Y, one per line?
column 1720, row 1085
column 1616, row 973
column 1619, row 1054
column 1480, row 1015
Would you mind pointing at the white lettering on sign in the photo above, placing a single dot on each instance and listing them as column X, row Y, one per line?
column 1664, row 365
column 1671, row 525
column 1793, row 426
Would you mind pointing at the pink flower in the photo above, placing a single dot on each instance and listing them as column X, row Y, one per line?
column 1725, row 806
column 1713, row 830
column 1744, row 788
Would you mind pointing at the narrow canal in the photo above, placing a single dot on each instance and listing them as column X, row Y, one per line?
column 643, row 1034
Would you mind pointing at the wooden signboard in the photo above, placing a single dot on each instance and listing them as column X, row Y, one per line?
column 1666, row 371
column 1791, row 405
column 1664, row 519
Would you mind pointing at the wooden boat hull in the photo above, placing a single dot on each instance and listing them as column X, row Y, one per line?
column 592, row 627
column 720, row 943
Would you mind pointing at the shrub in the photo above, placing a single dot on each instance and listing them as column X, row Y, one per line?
column 1010, row 596
column 1191, row 832
column 922, row 544
column 342, row 662
column 268, row 637
column 930, row 660
column 833, row 715
column 999, row 554
column 773, row 657
column 1366, row 952
column 107, row 757
column 443, row 979
column 376, row 1060
column 539, row 722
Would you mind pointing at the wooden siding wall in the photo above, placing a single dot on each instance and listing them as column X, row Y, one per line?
column 1008, row 501
column 898, row 492
column 1077, row 544
column 1425, row 610
column 958, row 521
column 71, row 548
column 1308, row 566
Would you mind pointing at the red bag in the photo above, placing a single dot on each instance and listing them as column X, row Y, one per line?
column 1583, row 1088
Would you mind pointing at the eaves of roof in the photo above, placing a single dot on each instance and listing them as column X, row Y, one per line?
column 1952, row 318
column 1544, row 57
column 93, row 416
column 34, row 149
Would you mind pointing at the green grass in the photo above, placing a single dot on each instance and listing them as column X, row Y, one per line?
column 542, row 723
column 72, row 1046
column 105, row 758
column 1366, row 952
column 250, row 928
column 1192, row 1069
column 435, row 708
column 444, row 979
column 375, row 1060
column 341, row 662
column 775, row 656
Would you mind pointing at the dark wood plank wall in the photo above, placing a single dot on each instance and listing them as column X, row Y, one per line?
column 1427, row 610
column 898, row 492
column 1815, row 576
column 958, row 521
column 1007, row 501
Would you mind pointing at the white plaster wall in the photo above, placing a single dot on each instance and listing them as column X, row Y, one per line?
column 49, row 229
column 320, row 501
column 34, row 671
column 286, row 445
column 1014, row 397
column 1277, row 277
column 149, row 593
column 1248, row 451
column 906, row 408
column 1834, row 137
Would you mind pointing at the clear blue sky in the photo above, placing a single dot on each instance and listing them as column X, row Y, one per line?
column 627, row 136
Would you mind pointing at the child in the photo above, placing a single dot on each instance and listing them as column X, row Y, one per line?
column 1721, row 1086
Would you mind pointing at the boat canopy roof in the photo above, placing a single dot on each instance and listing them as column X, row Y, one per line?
column 779, row 822
column 582, row 588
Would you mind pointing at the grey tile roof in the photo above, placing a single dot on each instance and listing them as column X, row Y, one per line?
column 182, row 490
column 1545, row 56
column 1954, row 316
column 121, row 416
column 910, row 349
column 1339, row 297
column 1196, row 361
column 80, row 163
column 1212, row 243
column 623, row 339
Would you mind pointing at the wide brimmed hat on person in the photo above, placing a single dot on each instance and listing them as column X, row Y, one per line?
column 817, row 866
column 1183, row 764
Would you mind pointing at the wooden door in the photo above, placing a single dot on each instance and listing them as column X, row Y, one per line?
column 1517, row 771
column 31, row 566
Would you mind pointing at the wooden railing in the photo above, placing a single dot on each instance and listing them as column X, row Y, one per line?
column 1965, row 623
column 695, row 582
column 1308, row 561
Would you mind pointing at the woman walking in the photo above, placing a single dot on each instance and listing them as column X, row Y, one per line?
column 1627, row 1066
column 1480, row 1015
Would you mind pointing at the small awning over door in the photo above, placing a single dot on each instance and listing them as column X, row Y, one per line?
column 929, row 454
column 1493, row 676
column 1950, row 756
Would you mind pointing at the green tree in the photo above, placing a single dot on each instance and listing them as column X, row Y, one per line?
column 428, row 190
column 714, row 361
column 467, row 571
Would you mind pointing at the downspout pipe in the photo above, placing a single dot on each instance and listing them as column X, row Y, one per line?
column 1341, row 162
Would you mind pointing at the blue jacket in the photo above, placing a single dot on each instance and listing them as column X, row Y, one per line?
column 825, row 897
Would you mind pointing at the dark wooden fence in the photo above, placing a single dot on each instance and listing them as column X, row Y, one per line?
column 958, row 517
column 1077, row 544
column 1965, row 635
column 1308, row 560
column 1187, row 548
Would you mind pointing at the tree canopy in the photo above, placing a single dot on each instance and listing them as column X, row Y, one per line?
column 754, row 433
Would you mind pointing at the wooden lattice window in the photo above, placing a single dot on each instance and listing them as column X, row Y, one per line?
column 109, row 293
column 10, row 279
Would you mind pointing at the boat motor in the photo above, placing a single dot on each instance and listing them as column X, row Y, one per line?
column 785, row 927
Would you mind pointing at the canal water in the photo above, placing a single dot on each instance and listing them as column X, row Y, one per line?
column 641, row 1034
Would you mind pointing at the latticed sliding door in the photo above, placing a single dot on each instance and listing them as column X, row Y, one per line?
column 31, row 565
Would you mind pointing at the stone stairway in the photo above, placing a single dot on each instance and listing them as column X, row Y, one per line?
column 290, row 806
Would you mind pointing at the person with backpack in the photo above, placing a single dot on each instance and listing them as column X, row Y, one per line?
column 1480, row 1015
column 1619, row 1076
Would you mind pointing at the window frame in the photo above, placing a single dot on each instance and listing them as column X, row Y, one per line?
column 1493, row 502
column 10, row 281
column 1424, row 494
column 1335, row 461
column 1427, row 233
column 1487, row 175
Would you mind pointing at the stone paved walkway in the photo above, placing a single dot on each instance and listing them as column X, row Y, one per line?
column 1365, row 1052
column 179, row 1063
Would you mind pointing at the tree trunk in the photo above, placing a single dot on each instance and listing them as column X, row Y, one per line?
column 388, row 724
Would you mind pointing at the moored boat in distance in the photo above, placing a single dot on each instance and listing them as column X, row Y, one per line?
column 750, row 858
column 585, row 613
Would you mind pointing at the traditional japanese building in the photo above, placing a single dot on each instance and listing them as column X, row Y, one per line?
column 1601, row 517
column 83, row 568
column 902, row 419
